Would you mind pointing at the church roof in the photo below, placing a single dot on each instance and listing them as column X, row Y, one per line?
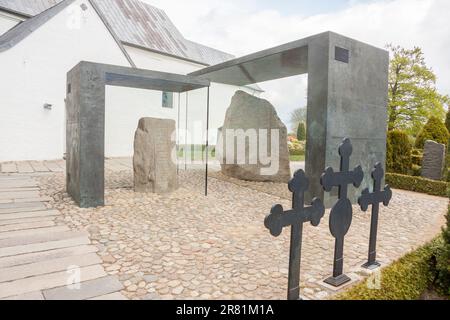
column 133, row 22
column 27, row 7
column 140, row 24
column 23, row 29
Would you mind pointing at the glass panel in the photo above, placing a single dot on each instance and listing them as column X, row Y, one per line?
column 259, row 67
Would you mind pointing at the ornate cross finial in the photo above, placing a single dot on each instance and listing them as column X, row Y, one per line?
column 341, row 213
column 374, row 199
column 278, row 219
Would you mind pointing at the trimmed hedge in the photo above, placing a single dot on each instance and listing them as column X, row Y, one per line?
column 417, row 157
column 434, row 130
column 447, row 121
column 408, row 277
column 442, row 281
column 398, row 152
column 418, row 184
column 416, row 170
column 405, row 279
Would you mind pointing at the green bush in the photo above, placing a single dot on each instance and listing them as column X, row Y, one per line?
column 447, row 121
column 418, row 184
column 408, row 277
column 434, row 130
column 442, row 281
column 296, row 148
column 301, row 132
column 398, row 152
column 447, row 166
column 405, row 279
column 416, row 170
column 416, row 157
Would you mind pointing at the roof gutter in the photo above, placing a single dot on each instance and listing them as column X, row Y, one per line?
column 163, row 53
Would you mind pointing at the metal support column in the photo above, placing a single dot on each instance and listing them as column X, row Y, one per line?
column 178, row 134
column 207, row 143
column 185, row 133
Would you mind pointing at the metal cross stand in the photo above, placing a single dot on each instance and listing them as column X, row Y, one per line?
column 374, row 199
column 341, row 213
column 278, row 219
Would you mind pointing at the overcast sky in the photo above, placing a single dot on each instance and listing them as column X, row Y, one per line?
column 241, row 27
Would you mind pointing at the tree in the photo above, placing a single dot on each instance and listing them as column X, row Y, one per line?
column 398, row 152
column 301, row 131
column 297, row 116
column 447, row 121
column 413, row 97
column 433, row 130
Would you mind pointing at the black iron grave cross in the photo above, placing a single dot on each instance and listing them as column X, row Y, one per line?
column 278, row 219
column 374, row 199
column 341, row 213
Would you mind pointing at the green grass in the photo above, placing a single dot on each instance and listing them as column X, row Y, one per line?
column 296, row 158
column 197, row 154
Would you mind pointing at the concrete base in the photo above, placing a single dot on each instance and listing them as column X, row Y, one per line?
column 337, row 281
column 344, row 281
column 371, row 266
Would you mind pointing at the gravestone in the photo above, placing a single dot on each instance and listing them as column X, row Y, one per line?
column 154, row 169
column 433, row 160
column 252, row 143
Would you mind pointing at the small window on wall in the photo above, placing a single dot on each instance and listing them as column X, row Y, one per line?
column 167, row 100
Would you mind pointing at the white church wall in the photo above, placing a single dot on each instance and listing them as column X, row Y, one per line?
column 121, row 124
column 34, row 73
column 7, row 21
column 124, row 107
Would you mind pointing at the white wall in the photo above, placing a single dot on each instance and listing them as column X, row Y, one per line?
column 125, row 106
column 34, row 73
column 7, row 21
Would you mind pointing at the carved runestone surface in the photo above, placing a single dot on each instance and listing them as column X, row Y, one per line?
column 154, row 170
column 433, row 160
column 248, row 114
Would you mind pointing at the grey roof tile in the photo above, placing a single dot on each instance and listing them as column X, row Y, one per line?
column 140, row 24
column 28, row 7
column 135, row 23
column 23, row 29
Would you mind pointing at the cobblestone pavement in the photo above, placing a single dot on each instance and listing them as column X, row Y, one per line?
column 187, row 246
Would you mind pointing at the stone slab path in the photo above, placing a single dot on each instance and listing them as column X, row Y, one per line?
column 40, row 256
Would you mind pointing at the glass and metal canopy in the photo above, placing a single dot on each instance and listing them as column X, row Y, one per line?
column 287, row 60
column 85, row 104
column 347, row 84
